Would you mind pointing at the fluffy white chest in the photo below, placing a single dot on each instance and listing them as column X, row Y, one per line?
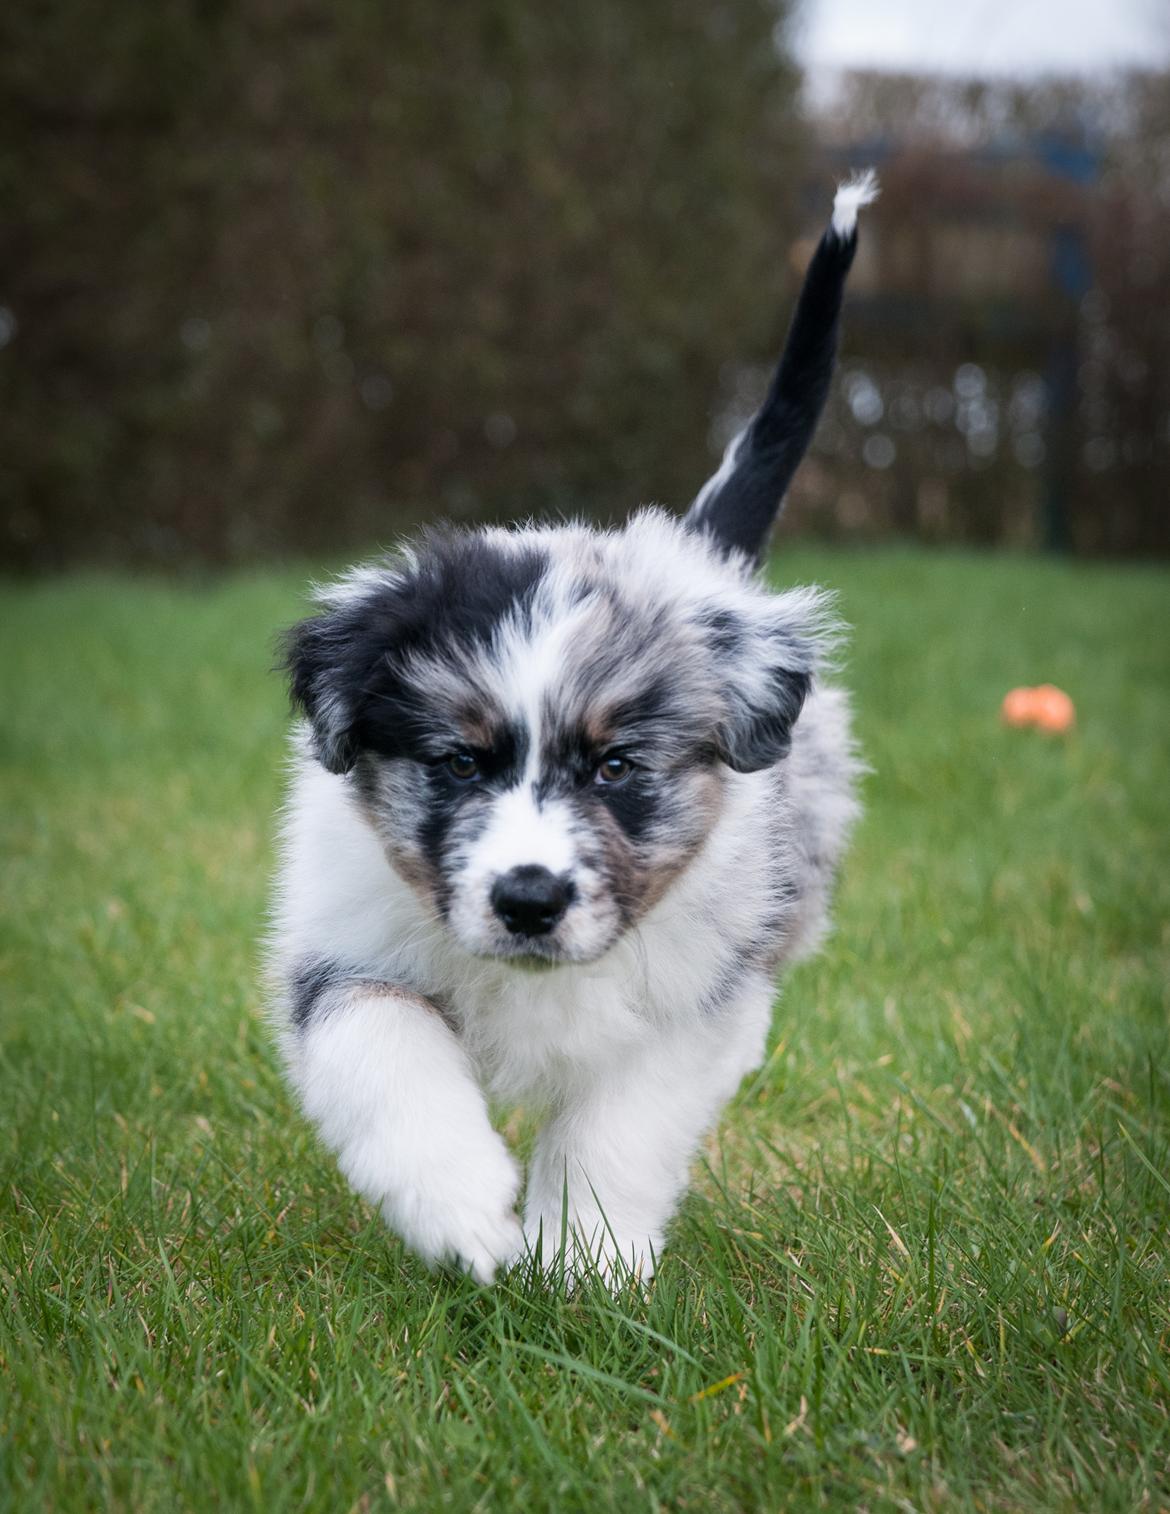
column 536, row 1033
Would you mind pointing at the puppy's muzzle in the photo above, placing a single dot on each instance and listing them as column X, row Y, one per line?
column 531, row 901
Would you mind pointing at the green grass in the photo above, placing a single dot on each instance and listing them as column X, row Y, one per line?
column 925, row 1265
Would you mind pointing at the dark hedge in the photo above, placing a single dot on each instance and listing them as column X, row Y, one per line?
column 276, row 277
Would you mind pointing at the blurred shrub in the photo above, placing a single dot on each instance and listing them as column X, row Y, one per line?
column 281, row 275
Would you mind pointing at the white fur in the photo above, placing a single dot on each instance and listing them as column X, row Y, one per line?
column 369, row 1072
column 861, row 189
column 724, row 471
column 624, row 1052
column 619, row 1049
column 655, row 1100
column 521, row 833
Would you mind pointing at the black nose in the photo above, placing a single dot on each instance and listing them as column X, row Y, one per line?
column 530, row 900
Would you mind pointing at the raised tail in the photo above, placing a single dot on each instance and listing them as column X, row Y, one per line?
column 739, row 503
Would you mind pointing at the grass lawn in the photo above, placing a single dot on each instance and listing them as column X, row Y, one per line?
column 926, row 1264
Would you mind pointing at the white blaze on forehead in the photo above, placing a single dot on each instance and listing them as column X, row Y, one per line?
column 532, row 657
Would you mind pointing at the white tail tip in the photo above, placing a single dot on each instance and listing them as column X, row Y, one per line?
column 861, row 189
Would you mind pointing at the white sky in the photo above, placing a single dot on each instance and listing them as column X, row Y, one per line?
column 984, row 36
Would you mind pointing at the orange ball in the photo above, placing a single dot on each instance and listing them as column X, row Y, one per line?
column 1052, row 709
column 1047, row 708
column 1017, row 707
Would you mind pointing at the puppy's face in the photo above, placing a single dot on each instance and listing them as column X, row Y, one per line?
column 539, row 725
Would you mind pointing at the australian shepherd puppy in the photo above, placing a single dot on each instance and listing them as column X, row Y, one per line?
column 563, row 802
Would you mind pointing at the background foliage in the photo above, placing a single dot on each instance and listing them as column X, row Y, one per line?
column 285, row 273
column 285, row 278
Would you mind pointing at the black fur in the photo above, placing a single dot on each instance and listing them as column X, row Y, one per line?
column 724, row 633
column 309, row 982
column 739, row 513
column 449, row 802
column 755, row 737
column 345, row 665
column 728, row 979
column 757, row 728
column 636, row 804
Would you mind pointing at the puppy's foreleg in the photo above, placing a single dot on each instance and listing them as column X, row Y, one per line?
column 391, row 1092
column 619, row 1147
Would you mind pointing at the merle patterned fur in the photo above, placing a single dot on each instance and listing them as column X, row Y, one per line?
column 586, row 791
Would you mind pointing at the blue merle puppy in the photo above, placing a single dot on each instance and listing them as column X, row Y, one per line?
column 563, row 802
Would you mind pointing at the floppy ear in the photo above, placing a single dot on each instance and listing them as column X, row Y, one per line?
column 324, row 684
column 352, row 668
column 337, row 663
column 766, row 656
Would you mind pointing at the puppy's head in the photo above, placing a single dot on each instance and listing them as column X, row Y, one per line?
column 540, row 725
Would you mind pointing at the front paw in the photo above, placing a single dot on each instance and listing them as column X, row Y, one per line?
column 463, row 1216
column 482, row 1244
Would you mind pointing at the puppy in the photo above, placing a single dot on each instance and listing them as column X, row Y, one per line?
column 563, row 801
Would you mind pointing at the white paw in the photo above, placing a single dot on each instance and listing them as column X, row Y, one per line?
column 490, row 1244
column 461, row 1213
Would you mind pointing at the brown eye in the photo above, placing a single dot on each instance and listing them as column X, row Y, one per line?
column 613, row 770
column 462, row 765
